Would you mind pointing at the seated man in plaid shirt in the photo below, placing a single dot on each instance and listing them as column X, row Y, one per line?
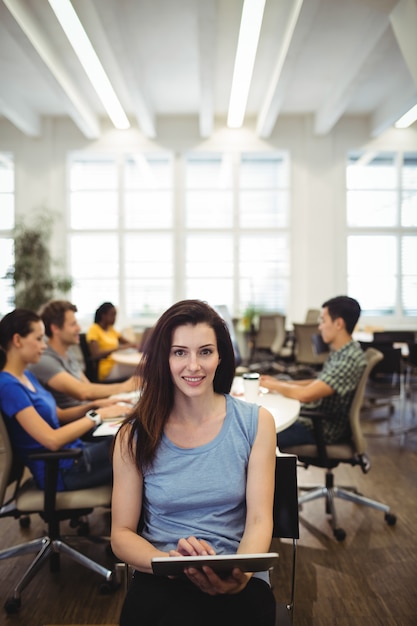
column 332, row 391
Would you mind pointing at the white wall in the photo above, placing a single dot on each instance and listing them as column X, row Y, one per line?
column 317, row 181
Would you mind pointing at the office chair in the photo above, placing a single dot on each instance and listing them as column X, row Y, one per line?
column 286, row 524
column 330, row 456
column 90, row 364
column 270, row 340
column 305, row 346
column 21, row 497
column 312, row 316
column 387, row 383
column 411, row 383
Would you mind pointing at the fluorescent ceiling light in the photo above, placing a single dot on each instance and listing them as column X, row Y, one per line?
column 407, row 119
column 250, row 28
column 77, row 37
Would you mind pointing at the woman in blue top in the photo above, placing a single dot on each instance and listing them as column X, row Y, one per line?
column 32, row 417
column 197, row 467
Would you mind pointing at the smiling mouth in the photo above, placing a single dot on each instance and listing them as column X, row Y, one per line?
column 193, row 379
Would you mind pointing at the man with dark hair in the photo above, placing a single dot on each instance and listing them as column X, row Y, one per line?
column 59, row 370
column 333, row 389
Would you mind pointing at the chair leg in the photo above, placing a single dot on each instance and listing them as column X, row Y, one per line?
column 348, row 494
column 13, row 602
column 345, row 493
column 313, row 493
column 47, row 548
column 78, row 557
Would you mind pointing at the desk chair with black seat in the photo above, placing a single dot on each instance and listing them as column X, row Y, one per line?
column 411, row 382
column 286, row 524
column 91, row 364
column 387, row 382
column 352, row 452
column 20, row 497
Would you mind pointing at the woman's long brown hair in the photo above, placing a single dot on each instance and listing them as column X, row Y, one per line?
column 157, row 391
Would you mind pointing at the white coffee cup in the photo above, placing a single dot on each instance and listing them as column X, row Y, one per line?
column 251, row 386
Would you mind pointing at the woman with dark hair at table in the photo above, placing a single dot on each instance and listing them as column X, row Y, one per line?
column 194, row 468
column 32, row 416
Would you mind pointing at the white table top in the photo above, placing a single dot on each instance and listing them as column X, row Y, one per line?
column 284, row 410
column 129, row 356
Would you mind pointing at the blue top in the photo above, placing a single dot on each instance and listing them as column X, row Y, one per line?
column 14, row 397
column 202, row 491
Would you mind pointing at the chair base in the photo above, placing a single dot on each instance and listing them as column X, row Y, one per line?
column 45, row 549
column 330, row 492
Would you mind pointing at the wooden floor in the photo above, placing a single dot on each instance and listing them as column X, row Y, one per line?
column 368, row 579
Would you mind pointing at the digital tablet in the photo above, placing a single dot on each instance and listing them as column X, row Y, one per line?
column 220, row 563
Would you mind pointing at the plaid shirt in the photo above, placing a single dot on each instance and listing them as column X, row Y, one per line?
column 342, row 372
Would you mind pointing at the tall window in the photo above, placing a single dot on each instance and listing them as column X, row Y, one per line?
column 121, row 226
column 7, row 222
column 382, row 232
column 236, row 229
column 220, row 233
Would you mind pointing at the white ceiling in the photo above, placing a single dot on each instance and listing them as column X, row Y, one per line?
column 175, row 57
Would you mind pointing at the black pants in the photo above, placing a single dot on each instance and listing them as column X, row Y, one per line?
column 159, row 601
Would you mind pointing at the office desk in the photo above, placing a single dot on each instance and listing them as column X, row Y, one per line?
column 394, row 338
column 284, row 410
column 127, row 357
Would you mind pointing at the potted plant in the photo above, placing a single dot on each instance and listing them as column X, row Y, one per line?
column 32, row 276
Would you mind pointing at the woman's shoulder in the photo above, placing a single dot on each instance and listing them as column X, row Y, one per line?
column 245, row 414
column 93, row 330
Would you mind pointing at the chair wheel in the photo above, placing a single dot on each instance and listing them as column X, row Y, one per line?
column 390, row 519
column 12, row 605
column 24, row 521
column 108, row 587
column 339, row 534
column 83, row 529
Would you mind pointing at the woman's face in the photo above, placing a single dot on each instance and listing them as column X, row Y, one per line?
column 32, row 346
column 109, row 318
column 193, row 359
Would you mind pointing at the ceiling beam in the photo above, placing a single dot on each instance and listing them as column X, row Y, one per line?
column 371, row 31
column 19, row 114
column 402, row 98
column 404, row 24
column 77, row 107
column 298, row 24
column 207, row 19
column 117, row 60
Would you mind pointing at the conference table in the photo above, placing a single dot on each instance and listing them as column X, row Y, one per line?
column 130, row 356
column 284, row 410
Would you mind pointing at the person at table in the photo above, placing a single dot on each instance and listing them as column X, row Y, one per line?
column 333, row 390
column 103, row 340
column 32, row 417
column 59, row 370
column 197, row 465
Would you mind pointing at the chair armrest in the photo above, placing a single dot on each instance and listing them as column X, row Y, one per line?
column 51, row 459
column 317, row 419
column 56, row 455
